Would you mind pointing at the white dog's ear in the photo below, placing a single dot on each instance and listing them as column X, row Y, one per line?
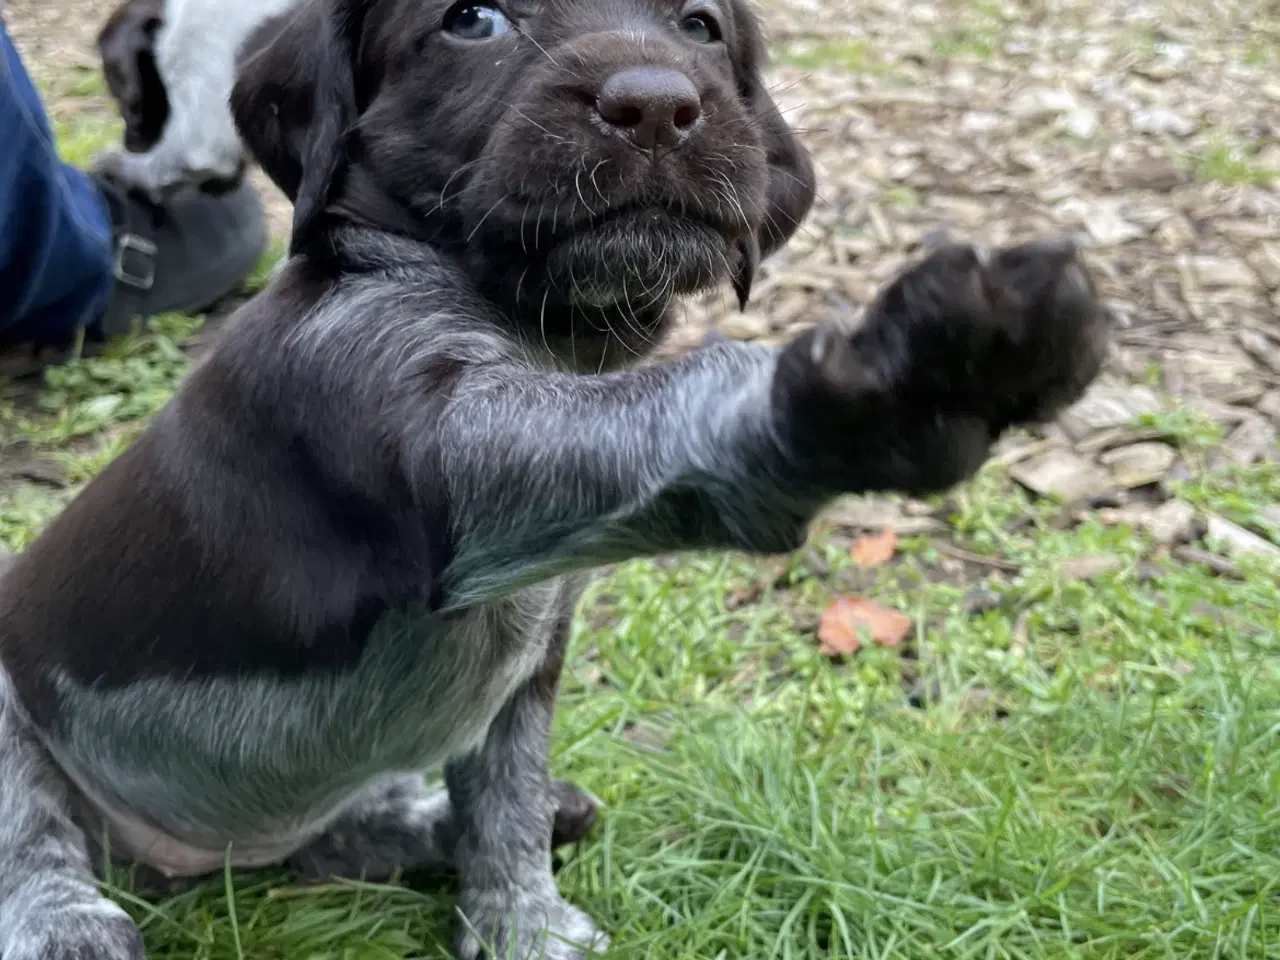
column 294, row 103
column 126, row 44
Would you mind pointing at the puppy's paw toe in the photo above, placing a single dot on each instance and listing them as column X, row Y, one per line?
column 1066, row 331
column 1077, row 306
column 1045, row 275
column 529, row 930
column 947, row 303
column 91, row 931
column 572, row 935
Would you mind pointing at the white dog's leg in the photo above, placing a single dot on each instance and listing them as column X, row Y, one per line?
column 195, row 56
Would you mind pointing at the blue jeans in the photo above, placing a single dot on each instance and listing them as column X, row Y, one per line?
column 55, row 230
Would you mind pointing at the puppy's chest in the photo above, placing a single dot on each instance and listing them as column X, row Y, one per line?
column 263, row 762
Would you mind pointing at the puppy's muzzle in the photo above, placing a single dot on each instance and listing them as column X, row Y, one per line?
column 649, row 107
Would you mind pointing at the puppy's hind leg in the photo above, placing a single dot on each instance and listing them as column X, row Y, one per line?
column 50, row 907
column 402, row 827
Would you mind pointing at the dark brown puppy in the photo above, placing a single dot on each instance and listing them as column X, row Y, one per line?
column 348, row 549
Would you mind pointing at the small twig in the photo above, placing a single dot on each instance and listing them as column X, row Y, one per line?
column 1245, row 394
column 1116, row 437
column 1143, row 337
column 952, row 550
column 1219, row 565
column 1027, row 451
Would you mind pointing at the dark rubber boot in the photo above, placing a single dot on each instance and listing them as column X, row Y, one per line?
column 182, row 257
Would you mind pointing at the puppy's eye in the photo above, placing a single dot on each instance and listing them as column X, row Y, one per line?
column 701, row 28
column 475, row 21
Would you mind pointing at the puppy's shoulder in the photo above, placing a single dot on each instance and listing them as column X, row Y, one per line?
column 390, row 305
column 356, row 342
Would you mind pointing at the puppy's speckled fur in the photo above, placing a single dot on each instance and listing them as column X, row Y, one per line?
column 348, row 551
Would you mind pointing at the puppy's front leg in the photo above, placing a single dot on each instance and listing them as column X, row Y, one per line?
column 505, row 807
column 50, row 907
column 732, row 446
column 739, row 445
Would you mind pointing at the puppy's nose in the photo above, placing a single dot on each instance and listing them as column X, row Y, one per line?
column 655, row 106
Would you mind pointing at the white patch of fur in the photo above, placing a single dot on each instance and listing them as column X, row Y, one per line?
column 425, row 812
column 196, row 56
column 180, row 771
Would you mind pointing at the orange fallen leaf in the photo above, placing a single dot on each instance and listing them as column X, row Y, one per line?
column 874, row 549
column 838, row 629
column 844, row 622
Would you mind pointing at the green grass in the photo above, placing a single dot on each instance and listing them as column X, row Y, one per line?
column 1232, row 165
column 81, row 138
column 854, row 56
column 973, row 30
column 83, row 117
column 1079, row 770
column 1260, row 51
column 963, row 43
column 904, row 198
column 258, row 279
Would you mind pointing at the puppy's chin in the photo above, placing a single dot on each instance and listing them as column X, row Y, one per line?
column 639, row 258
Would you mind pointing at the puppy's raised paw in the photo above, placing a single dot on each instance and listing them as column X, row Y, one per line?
column 963, row 344
column 1060, row 341
column 1010, row 336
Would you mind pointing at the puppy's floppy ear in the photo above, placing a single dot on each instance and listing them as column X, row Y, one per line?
column 272, row 98
column 792, row 181
column 126, row 44
column 294, row 103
